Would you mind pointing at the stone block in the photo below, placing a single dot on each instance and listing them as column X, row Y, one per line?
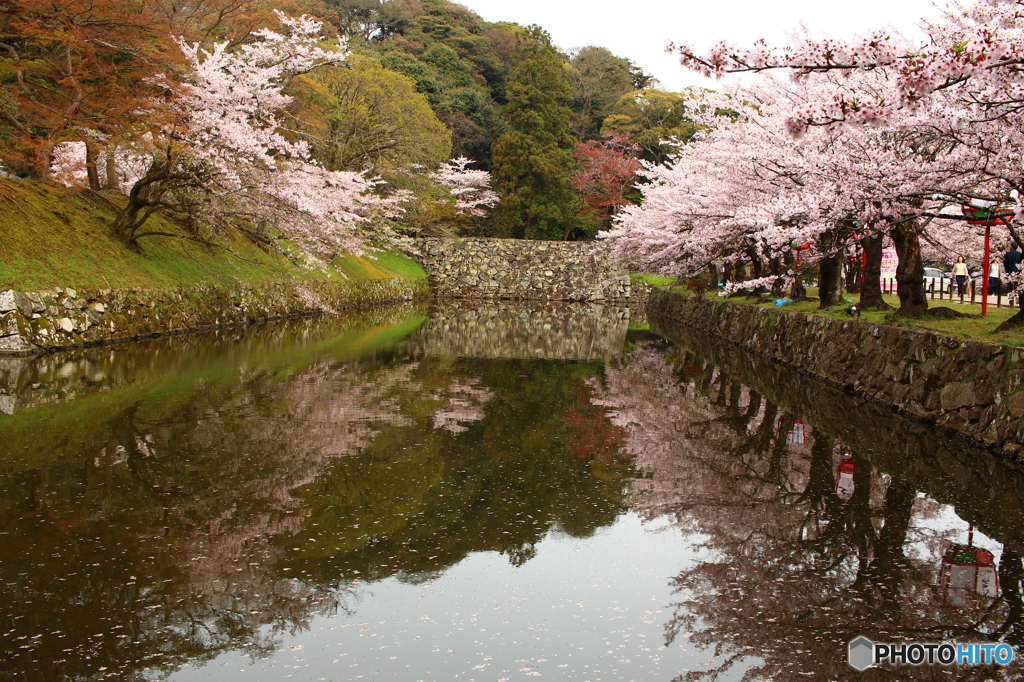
column 11, row 301
column 12, row 323
column 15, row 343
column 958, row 394
column 1015, row 405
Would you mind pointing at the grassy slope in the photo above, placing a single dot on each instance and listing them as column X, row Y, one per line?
column 973, row 327
column 53, row 236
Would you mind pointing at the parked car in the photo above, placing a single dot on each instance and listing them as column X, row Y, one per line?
column 942, row 281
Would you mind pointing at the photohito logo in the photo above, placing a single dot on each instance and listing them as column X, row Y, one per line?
column 863, row 653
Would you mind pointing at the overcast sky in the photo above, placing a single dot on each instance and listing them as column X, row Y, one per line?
column 640, row 29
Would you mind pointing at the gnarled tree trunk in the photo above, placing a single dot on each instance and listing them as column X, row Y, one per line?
column 830, row 281
column 871, row 287
column 910, row 271
column 143, row 198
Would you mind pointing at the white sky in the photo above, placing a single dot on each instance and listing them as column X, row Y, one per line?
column 640, row 29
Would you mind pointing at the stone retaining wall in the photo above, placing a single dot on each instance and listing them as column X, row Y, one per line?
column 36, row 321
column 521, row 269
column 62, row 318
column 974, row 389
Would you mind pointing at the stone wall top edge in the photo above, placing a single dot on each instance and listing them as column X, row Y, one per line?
column 871, row 327
column 209, row 286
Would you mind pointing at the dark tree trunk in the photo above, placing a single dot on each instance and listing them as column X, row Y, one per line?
column 775, row 268
column 871, row 287
column 910, row 270
column 830, row 281
column 112, row 181
column 713, row 275
column 91, row 171
column 854, row 269
column 755, row 262
column 728, row 275
column 798, row 292
column 143, row 197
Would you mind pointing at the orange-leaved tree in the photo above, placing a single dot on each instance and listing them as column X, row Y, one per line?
column 71, row 70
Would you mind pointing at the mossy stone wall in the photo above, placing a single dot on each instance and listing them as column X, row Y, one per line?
column 521, row 269
column 38, row 321
column 972, row 388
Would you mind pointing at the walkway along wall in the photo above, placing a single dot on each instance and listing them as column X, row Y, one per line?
column 971, row 388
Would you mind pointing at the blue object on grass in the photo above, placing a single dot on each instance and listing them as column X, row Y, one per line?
column 782, row 301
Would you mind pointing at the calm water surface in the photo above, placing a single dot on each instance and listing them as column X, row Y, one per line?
column 464, row 493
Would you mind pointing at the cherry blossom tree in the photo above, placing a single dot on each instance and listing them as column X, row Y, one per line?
column 471, row 188
column 214, row 153
column 971, row 66
column 976, row 53
column 746, row 189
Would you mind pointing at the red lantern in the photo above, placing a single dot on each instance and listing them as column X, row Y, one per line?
column 987, row 217
column 982, row 216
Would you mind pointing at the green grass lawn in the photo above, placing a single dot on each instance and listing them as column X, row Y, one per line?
column 54, row 236
column 658, row 280
column 974, row 326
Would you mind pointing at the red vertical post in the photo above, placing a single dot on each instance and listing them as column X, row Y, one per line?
column 984, row 271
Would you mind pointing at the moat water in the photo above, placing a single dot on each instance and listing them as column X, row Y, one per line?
column 481, row 493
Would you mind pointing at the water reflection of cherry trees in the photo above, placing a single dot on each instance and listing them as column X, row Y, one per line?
column 224, row 506
column 791, row 571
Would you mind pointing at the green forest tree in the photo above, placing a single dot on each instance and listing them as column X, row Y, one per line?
column 656, row 120
column 459, row 62
column 533, row 161
column 368, row 118
column 597, row 80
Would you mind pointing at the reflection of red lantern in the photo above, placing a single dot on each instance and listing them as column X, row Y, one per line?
column 967, row 571
column 844, row 480
column 796, row 434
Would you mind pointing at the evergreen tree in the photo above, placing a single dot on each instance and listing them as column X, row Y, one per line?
column 533, row 161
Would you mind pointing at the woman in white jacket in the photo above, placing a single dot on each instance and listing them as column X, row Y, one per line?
column 961, row 274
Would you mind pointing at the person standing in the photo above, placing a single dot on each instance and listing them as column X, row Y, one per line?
column 1011, row 264
column 960, row 273
column 1011, row 261
column 995, row 271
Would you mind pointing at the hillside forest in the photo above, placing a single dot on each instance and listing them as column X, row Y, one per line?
column 319, row 126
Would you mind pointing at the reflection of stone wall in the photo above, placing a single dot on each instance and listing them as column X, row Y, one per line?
column 556, row 331
column 984, row 488
column 68, row 318
column 974, row 389
column 62, row 377
column 521, row 269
